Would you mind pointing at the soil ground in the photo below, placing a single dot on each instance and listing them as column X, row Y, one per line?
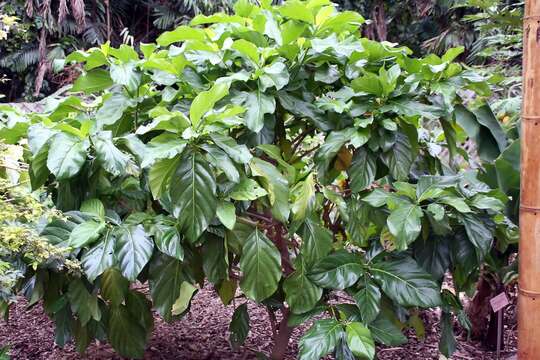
column 203, row 334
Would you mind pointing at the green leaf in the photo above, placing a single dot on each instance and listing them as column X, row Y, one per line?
column 99, row 258
column 377, row 198
column 130, row 344
column 297, row 10
column 238, row 153
column 360, row 341
column 433, row 255
column 399, row 158
column 160, row 174
column 386, row 332
column 276, row 185
column 67, row 155
column 168, row 242
column 114, row 287
column 329, row 149
column 112, row 159
column 247, row 189
column 82, row 302
column 403, row 281
column 339, row 270
column 305, row 197
column 239, row 326
column 165, row 278
column 320, row 339
column 300, row 293
column 368, row 301
column 181, row 33
column 247, row 48
column 448, row 343
column 85, row 233
column 261, row 267
column 112, row 109
column 215, row 258
column 206, row 100
column 478, row 234
column 316, row 241
column 182, row 303
column 220, row 160
column 405, row 223
column 257, row 104
column 133, row 250
column 274, row 75
column 94, row 207
column 126, row 74
column 226, row 213
column 363, row 169
column 457, row 203
column 164, row 146
column 93, row 81
column 193, row 194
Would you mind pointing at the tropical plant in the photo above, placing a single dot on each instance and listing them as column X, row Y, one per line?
column 275, row 154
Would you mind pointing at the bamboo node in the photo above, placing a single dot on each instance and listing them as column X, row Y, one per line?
column 532, row 209
column 531, row 17
column 529, row 293
column 530, row 117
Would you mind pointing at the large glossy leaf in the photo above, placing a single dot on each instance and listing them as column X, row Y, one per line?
column 320, row 339
column 84, row 304
column 239, row 326
column 276, row 185
column 67, row 155
column 261, row 267
column 477, row 233
column 316, row 241
column 168, row 241
column 112, row 109
column 130, row 343
column 337, row 271
column 400, row 158
column 165, row 277
column 85, row 233
column 403, row 281
column 160, row 174
column 448, row 343
column 215, row 264
column 206, row 100
column 238, row 153
column 257, row 104
column 405, row 223
column 433, row 255
column 100, row 257
column 114, row 287
column 112, row 159
column 368, row 301
column 300, row 293
column 93, row 81
column 363, row 169
column 183, row 301
column 133, row 250
column 360, row 341
column 193, row 194
column 386, row 332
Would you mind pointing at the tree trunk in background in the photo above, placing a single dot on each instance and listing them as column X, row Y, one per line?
column 479, row 309
column 529, row 247
column 377, row 29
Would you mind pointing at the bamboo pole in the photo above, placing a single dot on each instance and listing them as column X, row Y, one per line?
column 529, row 247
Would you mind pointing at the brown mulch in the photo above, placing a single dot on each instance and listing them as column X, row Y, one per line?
column 203, row 334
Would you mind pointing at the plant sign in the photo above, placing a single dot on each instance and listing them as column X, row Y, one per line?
column 277, row 156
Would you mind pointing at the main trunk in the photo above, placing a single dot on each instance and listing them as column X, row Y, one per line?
column 529, row 248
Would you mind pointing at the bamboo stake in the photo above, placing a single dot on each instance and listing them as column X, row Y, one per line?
column 529, row 247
